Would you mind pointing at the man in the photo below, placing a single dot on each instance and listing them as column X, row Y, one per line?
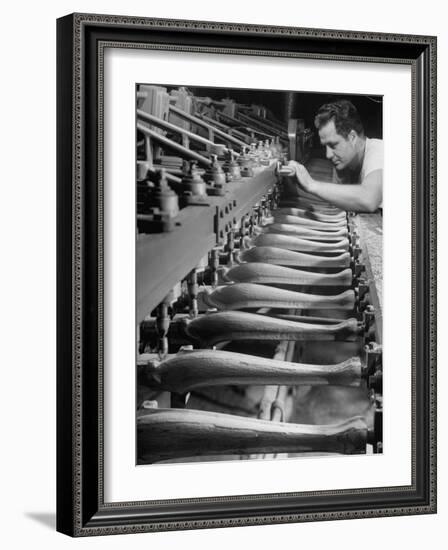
column 357, row 159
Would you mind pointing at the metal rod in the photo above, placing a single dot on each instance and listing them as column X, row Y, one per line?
column 249, row 120
column 214, row 125
column 204, row 124
column 169, row 126
column 224, row 127
column 250, row 114
column 168, row 176
column 248, row 128
column 183, row 151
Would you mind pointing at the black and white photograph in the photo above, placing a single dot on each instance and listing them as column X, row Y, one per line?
column 259, row 262
column 223, row 275
column 246, row 284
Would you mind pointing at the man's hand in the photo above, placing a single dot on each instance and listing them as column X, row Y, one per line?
column 302, row 174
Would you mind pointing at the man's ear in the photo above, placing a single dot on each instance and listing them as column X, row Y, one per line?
column 352, row 136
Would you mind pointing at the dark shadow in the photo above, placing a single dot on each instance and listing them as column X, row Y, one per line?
column 48, row 519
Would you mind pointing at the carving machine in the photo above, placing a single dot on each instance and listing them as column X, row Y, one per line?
column 259, row 322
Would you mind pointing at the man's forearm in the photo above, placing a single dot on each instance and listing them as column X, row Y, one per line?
column 353, row 197
column 362, row 197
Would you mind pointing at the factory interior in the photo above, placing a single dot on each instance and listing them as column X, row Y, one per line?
column 258, row 305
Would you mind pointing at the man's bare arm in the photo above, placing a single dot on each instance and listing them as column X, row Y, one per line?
column 364, row 197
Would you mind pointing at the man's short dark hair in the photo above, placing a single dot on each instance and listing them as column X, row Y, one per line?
column 344, row 115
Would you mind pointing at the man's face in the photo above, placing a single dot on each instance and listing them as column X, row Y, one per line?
column 340, row 150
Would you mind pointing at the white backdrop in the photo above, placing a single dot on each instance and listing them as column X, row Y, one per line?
column 28, row 272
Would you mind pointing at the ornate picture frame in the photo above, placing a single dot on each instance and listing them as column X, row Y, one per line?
column 81, row 506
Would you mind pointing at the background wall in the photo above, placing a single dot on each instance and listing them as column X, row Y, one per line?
column 27, row 218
